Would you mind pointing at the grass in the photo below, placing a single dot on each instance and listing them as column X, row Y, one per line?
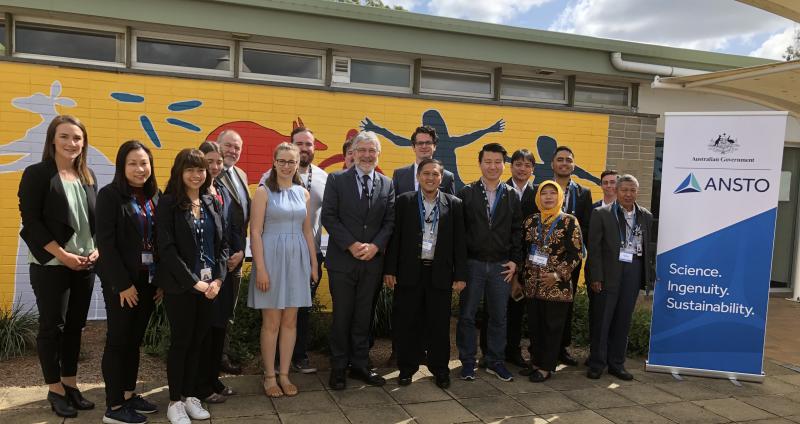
column 18, row 329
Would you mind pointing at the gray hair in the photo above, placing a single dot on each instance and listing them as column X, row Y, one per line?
column 228, row 132
column 627, row 178
column 366, row 136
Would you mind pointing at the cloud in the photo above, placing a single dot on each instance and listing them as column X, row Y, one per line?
column 694, row 24
column 775, row 46
column 406, row 4
column 494, row 11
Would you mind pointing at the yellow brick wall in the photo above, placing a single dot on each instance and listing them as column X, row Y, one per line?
column 30, row 94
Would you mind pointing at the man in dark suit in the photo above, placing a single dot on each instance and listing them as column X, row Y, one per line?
column 608, row 182
column 358, row 213
column 620, row 264
column 577, row 202
column 235, row 180
column 423, row 142
column 426, row 260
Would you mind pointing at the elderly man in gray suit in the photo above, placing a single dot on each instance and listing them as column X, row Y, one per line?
column 423, row 142
column 358, row 212
column 619, row 265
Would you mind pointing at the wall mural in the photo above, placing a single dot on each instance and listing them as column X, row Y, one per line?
column 174, row 113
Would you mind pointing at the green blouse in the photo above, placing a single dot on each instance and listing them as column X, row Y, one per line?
column 81, row 243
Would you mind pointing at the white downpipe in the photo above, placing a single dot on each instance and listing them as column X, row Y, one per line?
column 649, row 68
column 796, row 270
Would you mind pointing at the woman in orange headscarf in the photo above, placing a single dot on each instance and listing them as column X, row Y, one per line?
column 554, row 245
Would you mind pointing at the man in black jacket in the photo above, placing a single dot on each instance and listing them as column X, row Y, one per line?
column 423, row 142
column 493, row 222
column 425, row 262
column 578, row 203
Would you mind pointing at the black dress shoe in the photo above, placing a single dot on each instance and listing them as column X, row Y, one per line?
column 76, row 399
column 404, row 379
column 526, row 372
column 594, row 373
column 517, row 359
column 621, row 374
column 60, row 405
column 443, row 380
column 337, row 380
column 367, row 376
column 567, row 359
column 538, row 377
column 228, row 367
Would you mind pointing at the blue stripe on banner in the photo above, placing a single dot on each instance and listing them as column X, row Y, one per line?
column 710, row 301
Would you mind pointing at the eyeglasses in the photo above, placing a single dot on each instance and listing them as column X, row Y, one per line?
column 362, row 150
column 424, row 143
column 284, row 162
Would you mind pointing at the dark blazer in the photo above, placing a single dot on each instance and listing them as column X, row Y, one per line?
column 502, row 241
column 44, row 208
column 604, row 244
column 582, row 209
column 597, row 204
column 233, row 231
column 119, row 239
column 237, row 206
column 177, row 246
column 528, row 201
column 450, row 256
column 347, row 222
column 403, row 181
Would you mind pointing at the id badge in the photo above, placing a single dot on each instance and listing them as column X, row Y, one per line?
column 427, row 247
column 205, row 274
column 625, row 255
column 147, row 258
column 538, row 258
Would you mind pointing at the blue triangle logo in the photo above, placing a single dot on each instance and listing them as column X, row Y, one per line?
column 689, row 185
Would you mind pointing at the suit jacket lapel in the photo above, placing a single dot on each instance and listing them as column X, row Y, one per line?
column 57, row 187
column 225, row 178
column 131, row 215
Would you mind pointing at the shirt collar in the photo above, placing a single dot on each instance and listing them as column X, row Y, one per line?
column 360, row 173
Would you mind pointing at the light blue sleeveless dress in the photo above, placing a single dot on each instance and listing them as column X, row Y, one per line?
column 285, row 253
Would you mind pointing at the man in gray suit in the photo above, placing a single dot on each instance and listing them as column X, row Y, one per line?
column 423, row 142
column 619, row 265
column 358, row 212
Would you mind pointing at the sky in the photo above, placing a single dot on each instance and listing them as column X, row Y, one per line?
column 724, row 26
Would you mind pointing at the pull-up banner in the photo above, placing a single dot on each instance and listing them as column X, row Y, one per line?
column 719, row 201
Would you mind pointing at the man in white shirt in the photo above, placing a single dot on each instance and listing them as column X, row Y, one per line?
column 423, row 142
column 608, row 181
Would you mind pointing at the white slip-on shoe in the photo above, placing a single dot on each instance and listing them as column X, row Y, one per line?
column 176, row 414
column 195, row 409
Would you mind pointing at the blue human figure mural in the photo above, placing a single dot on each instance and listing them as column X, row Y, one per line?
column 546, row 147
column 446, row 148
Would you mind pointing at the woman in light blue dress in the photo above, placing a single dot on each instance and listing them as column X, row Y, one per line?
column 283, row 263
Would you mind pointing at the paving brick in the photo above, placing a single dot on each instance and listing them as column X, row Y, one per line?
column 644, row 394
column 689, row 390
column 376, row 414
column 775, row 404
column 495, row 408
column 577, row 417
column 632, row 415
column 448, row 411
column 687, row 413
column 548, row 402
column 733, row 409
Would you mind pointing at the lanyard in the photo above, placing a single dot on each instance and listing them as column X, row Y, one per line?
column 622, row 238
column 490, row 211
column 549, row 232
column 570, row 200
column 308, row 184
column 147, row 213
column 199, row 228
column 433, row 215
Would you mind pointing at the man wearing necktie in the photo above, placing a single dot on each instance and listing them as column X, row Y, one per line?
column 358, row 213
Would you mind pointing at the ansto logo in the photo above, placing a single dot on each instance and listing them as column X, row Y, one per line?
column 727, row 184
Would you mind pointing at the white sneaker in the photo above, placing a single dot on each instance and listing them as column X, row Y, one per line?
column 176, row 414
column 195, row 409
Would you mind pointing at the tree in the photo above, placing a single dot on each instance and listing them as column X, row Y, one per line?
column 793, row 51
column 371, row 3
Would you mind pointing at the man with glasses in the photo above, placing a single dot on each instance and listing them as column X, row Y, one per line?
column 423, row 142
column 358, row 213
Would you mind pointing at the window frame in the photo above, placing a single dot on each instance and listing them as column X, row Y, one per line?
column 375, row 87
column 505, row 77
column 605, row 84
column 70, row 26
column 424, row 90
column 180, row 39
column 274, row 48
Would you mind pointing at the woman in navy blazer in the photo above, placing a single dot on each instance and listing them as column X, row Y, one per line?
column 56, row 202
column 191, row 267
column 126, row 237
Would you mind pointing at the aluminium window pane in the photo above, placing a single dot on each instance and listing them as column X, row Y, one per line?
column 174, row 53
column 2, row 38
column 600, row 94
column 533, row 89
column 67, row 42
column 283, row 64
column 380, row 73
column 456, row 82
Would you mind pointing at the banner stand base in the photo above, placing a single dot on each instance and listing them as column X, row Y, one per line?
column 678, row 371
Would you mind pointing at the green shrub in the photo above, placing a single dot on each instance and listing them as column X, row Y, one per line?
column 244, row 333
column 156, row 336
column 638, row 338
column 382, row 322
column 18, row 329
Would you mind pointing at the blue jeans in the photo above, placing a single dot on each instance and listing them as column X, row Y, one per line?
column 483, row 278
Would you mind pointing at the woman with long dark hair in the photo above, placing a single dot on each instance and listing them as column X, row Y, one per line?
column 56, row 202
column 192, row 265
column 126, row 238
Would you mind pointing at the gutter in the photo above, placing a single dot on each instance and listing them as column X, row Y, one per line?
column 649, row 68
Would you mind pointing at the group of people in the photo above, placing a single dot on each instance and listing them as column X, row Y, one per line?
column 506, row 248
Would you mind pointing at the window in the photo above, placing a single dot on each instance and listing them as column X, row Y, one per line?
column 65, row 42
column 456, row 82
column 601, row 95
column 183, row 54
column 2, row 38
column 534, row 89
column 380, row 73
column 282, row 65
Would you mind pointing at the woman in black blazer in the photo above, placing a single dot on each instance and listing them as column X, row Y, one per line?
column 56, row 202
column 191, row 267
column 126, row 238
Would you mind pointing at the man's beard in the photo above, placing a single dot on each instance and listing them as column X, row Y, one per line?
column 305, row 162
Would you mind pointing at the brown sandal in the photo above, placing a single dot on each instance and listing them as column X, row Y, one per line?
column 272, row 391
column 289, row 389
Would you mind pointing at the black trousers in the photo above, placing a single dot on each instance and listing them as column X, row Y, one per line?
column 421, row 322
column 303, row 318
column 62, row 299
column 566, row 339
column 611, row 321
column 514, row 314
column 125, row 327
column 353, row 294
column 207, row 381
column 546, row 321
column 189, row 317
